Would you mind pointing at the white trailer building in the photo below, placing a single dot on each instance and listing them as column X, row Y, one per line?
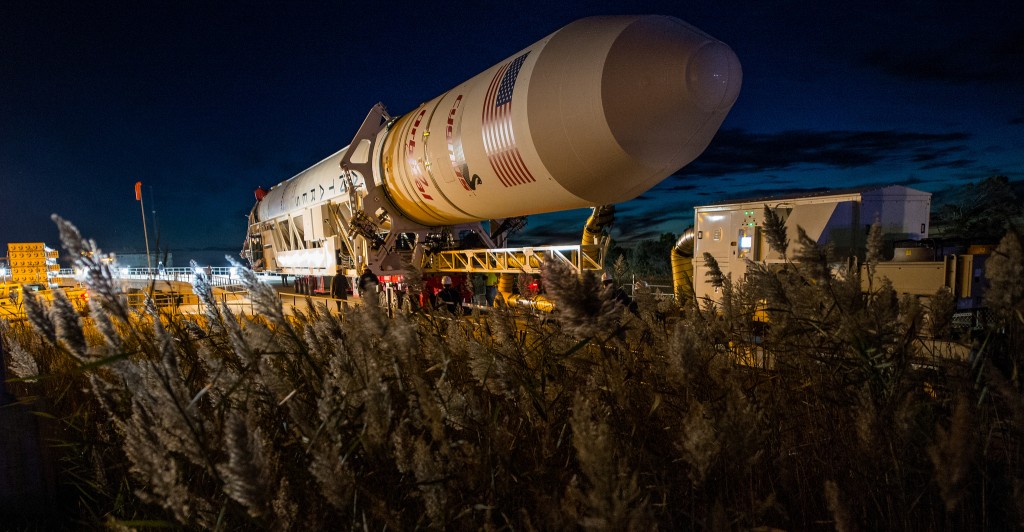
column 732, row 231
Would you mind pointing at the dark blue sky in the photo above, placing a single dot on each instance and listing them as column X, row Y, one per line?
column 204, row 101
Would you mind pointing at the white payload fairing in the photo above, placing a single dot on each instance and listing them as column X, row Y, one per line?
column 596, row 113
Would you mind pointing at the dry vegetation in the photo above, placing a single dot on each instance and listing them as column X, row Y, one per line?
column 595, row 418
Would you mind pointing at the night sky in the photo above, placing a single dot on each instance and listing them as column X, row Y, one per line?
column 204, row 101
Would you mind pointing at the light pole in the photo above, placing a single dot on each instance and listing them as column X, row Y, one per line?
column 145, row 234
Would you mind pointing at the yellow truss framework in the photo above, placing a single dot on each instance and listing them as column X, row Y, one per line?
column 513, row 260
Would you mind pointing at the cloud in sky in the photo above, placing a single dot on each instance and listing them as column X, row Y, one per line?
column 737, row 151
column 743, row 164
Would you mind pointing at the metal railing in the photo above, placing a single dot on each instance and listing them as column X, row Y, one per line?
column 660, row 291
column 219, row 276
column 186, row 303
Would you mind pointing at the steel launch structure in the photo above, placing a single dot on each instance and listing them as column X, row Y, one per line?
column 594, row 114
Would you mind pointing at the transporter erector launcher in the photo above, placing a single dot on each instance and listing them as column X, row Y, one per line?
column 594, row 114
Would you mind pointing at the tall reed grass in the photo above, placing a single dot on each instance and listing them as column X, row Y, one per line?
column 594, row 418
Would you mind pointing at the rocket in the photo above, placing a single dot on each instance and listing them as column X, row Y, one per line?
column 596, row 113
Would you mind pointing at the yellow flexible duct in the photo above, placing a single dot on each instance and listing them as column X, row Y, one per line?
column 507, row 282
column 601, row 217
column 682, row 267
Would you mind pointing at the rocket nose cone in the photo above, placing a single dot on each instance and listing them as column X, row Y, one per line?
column 666, row 88
column 713, row 76
column 617, row 104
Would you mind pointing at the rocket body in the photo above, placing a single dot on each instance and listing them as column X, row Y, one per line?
column 596, row 113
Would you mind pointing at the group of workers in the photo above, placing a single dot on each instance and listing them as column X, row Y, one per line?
column 484, row 289
column 450, row 297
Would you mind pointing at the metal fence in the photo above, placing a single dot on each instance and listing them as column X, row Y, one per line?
column 219, row 276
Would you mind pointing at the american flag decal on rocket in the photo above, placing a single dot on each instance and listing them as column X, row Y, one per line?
column 499, row 141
